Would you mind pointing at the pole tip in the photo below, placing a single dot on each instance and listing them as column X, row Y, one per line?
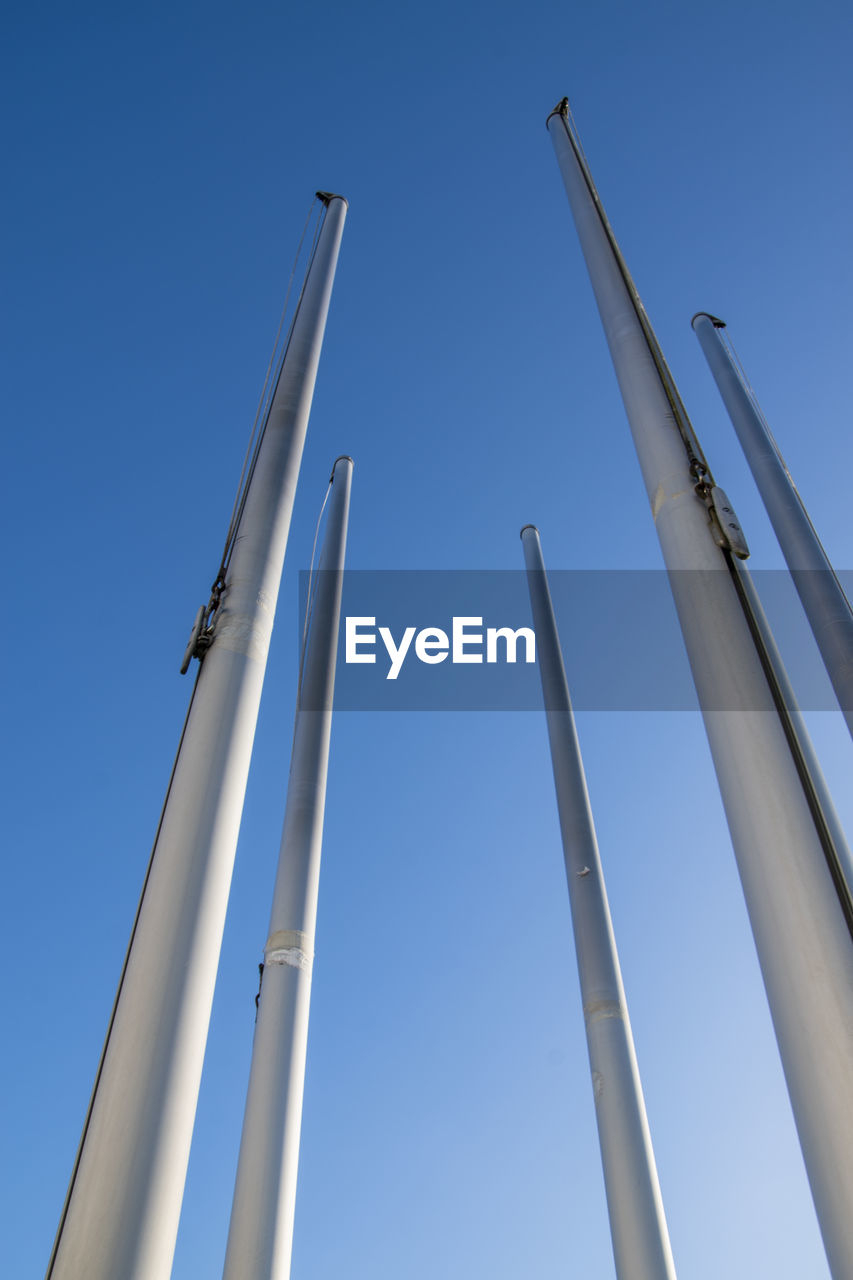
column 328, row 196
column 526, row 527
column 715, row 320
column 561, row 109
column 343, row 457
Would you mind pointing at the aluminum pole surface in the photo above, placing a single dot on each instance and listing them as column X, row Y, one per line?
column 801, row 932
column 641, row 1246
column 121, row 1218
column 826, row 606
column 260, row 1237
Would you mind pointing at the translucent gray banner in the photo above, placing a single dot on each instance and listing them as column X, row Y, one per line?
column 462, row 640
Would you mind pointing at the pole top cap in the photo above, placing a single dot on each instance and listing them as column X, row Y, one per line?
column 526, row 527
column 561, row 109
column 715, row 320
column 328, row 196
column 343, row 457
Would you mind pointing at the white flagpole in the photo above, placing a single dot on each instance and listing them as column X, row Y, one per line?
column 800, row 920
column 641, row 1246
column 826, row 606
column 121, row 1216
column 260, row 1237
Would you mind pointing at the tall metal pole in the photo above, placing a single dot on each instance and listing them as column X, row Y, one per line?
column 121, row 1216
column 641, row 1245
column 801, row 929
column 260, row 1237
column 826, row 606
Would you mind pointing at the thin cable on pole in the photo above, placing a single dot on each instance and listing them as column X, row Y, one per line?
column 262, row 402
column 744, row 590
column 309, row 606
column 270, row 385
column 306, row 625
column 753, row 613
column 259, row 426
column 699, row 467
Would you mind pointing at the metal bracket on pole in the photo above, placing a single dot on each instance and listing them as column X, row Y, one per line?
column 725, row 525
column 201, row 638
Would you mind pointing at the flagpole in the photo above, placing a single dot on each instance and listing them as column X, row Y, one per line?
column 824, row 601
column 641, row 1246
column 260, row 1237
column 121, row 1215
column 800, row 923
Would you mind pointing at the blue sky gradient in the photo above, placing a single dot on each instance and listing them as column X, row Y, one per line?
column 160, row 162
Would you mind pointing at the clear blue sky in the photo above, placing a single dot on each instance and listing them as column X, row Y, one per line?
column 159, row 167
